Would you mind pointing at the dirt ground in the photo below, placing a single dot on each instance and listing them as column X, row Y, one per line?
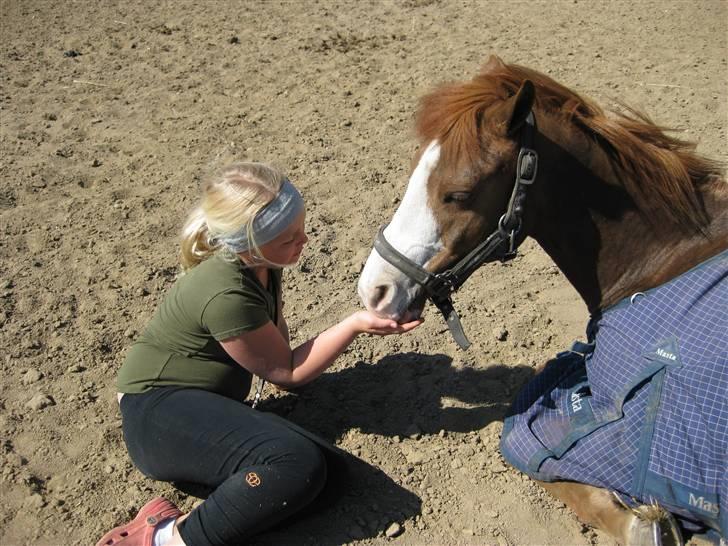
column 111, row 112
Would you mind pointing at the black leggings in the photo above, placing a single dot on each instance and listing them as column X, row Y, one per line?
column 260, row 469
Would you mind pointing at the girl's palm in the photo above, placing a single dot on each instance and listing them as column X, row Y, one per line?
column 370, row 323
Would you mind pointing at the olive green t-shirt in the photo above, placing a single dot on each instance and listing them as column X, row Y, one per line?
column 215, row 300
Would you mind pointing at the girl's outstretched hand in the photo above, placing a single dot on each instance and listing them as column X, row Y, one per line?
column 366, row 322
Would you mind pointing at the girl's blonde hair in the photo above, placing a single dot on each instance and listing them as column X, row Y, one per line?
column 230, row 201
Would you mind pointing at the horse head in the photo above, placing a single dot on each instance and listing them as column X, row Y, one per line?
column 460, row 187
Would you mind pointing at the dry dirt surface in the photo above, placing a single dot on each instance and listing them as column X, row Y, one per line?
column 112, row 111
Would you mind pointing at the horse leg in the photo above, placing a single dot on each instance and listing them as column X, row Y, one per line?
column 644, row 525
column 596, row 507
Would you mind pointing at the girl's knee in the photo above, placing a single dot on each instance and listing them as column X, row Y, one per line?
column 292, row 458
column 300, row 471
column 308, row 464
column 296, row 478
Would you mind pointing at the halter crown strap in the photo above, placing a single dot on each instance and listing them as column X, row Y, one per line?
column 508, row 225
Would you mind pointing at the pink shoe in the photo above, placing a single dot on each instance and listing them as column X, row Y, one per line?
column 140, row 530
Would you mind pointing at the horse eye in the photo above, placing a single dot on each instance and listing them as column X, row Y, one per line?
column 457, row 197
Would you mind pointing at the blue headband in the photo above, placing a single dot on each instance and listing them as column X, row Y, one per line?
column 271, row 220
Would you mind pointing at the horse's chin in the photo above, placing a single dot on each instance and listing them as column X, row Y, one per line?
column 414, row 311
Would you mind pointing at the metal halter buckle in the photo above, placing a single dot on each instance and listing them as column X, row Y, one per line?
column 510, row 236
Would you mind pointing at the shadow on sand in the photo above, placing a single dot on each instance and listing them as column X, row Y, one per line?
column 401, row 395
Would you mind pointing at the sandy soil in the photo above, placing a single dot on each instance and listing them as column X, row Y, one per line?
column 111, row 111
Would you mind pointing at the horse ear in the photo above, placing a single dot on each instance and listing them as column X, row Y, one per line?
column 492, row 64
column 520, row 106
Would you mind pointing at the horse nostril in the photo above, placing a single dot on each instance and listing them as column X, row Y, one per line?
column 380, row 292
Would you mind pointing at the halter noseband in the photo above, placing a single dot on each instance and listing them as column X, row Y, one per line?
column 499, row 245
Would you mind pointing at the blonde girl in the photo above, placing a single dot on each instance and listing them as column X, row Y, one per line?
column 183, row 382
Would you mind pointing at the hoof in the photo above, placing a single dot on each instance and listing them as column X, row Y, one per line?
column 653, row 526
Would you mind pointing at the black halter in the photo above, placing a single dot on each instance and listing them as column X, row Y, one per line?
column 500, row 245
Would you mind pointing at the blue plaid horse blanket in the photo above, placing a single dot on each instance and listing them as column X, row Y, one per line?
column 642, row 409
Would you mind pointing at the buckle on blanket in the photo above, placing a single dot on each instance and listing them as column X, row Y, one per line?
column 579, row 348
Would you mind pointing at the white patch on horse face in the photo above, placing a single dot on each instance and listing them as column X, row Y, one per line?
column 414, row 232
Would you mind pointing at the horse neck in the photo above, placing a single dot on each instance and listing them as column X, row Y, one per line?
column 583, row 218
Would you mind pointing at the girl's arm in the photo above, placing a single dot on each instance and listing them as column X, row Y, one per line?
column 282, row 324
column 283, row 329
column 265, row 353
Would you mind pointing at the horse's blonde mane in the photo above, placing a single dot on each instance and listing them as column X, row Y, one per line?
column 660, row 172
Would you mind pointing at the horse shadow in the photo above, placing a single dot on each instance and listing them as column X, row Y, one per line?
column 402, row 395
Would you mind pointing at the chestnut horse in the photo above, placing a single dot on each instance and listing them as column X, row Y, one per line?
column 631, row 216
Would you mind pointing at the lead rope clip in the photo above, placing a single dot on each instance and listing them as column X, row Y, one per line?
column 258, row 392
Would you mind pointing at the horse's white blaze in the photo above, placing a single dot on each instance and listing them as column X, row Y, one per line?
column 414, row 232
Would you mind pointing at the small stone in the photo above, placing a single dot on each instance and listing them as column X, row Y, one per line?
column 33, row 344
column 39, row 401
column 468, row 532
column 34, row 501
column 501, row 334
column 96, row 163
column 234, row 40
column 413, row 431
column 71, row 53
column 456, row 463
column 31, row 376
column 413, row 456
column 394, row 529
column 75, row 368
column 498, row 468
column 132, row 491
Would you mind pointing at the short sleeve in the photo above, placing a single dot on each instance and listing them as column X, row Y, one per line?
column 232, row 312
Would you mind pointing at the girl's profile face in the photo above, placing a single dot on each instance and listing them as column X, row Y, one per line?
column 287, row 247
